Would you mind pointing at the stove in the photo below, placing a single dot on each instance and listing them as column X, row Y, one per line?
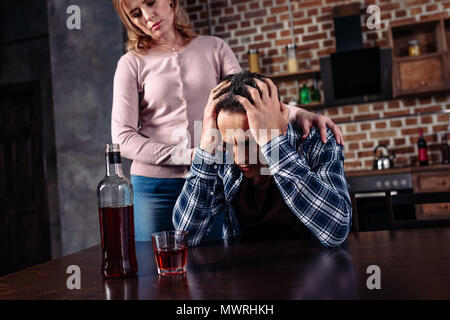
column 369, row 195
column 401, row 181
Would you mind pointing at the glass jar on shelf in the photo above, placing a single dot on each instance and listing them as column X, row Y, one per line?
column 291, row 58
column 413, row 48
column 253, row 61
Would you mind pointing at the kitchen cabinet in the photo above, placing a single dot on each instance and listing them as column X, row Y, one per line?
column 422, row 74
column 299, row 75
column 427, row 72
column 433, row 181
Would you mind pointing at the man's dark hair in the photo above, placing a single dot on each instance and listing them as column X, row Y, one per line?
column 237, row 87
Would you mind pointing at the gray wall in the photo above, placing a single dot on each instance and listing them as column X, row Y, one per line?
column 25, row 57
column 83, row 63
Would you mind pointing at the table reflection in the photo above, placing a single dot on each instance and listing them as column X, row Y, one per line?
column 256, row 274
column 121, row 289
column 331, row 275
column 174, row 286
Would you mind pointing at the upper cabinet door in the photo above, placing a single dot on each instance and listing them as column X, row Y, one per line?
column 421, row 74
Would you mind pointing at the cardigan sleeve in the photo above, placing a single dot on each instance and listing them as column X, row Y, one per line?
column 125, row 122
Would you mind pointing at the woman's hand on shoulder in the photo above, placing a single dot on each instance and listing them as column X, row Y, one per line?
column 307, row 120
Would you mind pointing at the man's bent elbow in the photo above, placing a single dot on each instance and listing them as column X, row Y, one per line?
column 335, row 242
column 338, row 237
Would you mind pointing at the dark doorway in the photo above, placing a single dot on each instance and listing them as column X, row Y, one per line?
column 24, row 218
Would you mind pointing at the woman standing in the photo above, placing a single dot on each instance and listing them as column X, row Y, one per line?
column 161, row 86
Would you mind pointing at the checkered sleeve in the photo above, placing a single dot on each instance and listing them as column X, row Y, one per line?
column 312, row 182
column 201, row 198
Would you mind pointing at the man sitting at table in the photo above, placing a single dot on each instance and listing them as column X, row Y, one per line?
column 298, row 187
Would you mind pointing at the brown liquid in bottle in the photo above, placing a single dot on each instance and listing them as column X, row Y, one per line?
column 118, row 246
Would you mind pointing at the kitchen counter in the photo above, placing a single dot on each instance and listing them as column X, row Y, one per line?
column 430, row 168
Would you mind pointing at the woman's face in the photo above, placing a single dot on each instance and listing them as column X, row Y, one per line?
column 153, row 17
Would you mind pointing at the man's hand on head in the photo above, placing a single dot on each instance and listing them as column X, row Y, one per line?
column 267, row 117
column 210, row 134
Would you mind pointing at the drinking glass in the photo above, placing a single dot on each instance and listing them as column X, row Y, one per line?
column 170, row 248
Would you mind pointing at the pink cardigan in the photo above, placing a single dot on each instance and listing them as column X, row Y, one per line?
column 159, row 96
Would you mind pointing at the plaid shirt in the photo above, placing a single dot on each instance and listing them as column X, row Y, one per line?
column 309, row 174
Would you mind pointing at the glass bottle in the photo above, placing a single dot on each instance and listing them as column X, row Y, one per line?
column 305, row 94
column 445, row 149
column 116, row 215
column 315, row 92
column 422, row 145
column 291, row 57
column 254, row 61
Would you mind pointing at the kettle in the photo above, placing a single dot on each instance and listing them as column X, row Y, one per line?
column 383, row 161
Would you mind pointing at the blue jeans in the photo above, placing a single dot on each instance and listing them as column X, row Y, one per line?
column 154, row 199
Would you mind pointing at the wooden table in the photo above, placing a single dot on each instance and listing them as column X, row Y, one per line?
column 414, row 264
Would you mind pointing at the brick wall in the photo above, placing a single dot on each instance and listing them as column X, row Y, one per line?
column 264, row 24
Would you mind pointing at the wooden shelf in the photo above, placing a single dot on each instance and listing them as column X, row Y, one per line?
column 300, row 75
column 419, row 57
column 429, row 34
column 312, row 105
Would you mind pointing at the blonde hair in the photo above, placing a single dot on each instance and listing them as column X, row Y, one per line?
column 140, row 42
